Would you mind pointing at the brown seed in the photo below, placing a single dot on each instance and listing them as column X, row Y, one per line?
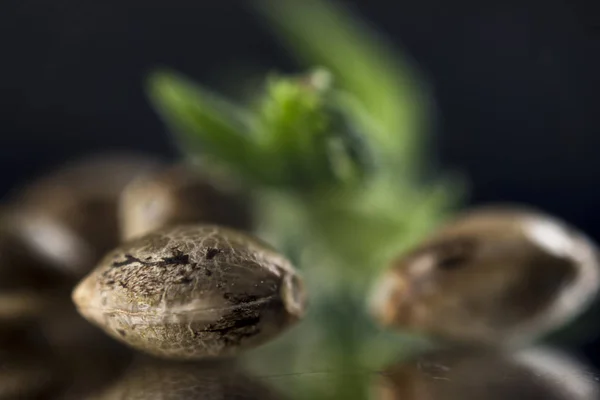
column 192, row 291
column 68, row 219
column 494, row 275
column 179, row 194
column 26, row 289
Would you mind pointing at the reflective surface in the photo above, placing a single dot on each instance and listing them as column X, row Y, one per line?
column 150, row 379
column 109, row 373
column 526, row 374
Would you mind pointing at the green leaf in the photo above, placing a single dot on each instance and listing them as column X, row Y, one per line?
column 324, row 33
column 207, row 123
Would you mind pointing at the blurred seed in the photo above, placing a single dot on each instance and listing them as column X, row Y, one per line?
column 151, row 380
column 179, row 194
column 192, row 291
column 68, row 219
column 26, row 290
column 26, row 372
column 459, row 374
column 494, row 275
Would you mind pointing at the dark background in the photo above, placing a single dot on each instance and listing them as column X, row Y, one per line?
column 516, row 83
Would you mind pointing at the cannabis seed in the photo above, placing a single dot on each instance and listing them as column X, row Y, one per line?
column 176, row 195
column 153, row 292
column 68, row 219
column 494, row 275
column 26, row 290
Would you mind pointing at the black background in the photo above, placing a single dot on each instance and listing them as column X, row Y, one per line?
column 516, row 82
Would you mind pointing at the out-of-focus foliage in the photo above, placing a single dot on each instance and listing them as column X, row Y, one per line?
column 382, row 85
column 339, row 164
column 295, row 140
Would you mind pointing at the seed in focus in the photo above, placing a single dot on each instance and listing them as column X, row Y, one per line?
column 176, row 195
column 192, row 291
column 494, row 275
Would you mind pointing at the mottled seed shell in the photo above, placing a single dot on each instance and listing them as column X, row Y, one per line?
column 179, row 194
column 192, row 291
column 459, row 375
column 68, row 219
column 497, row 275
column 148, row 380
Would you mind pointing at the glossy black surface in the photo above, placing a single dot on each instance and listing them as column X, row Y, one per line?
column 110, row 373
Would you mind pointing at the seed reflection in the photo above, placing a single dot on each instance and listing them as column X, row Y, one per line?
column 537, row 373
column 153, row 380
